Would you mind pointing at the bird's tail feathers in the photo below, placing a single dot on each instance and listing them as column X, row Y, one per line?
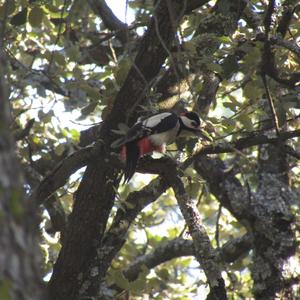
column 132, row 157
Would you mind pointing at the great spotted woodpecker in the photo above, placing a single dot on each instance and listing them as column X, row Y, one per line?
column 153, row 134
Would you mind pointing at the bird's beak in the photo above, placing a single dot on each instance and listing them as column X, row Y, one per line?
column 203, row 134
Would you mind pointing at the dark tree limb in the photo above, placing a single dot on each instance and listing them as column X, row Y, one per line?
column 204, row 252
column 272, row 200
column 194, row 4
column 60, row 174
column 178, row 247
column 22, row 133
column 20, row 275
column 268, row 65
column 226, row 188
column 289, row 9
column 109, row 19
column 290, row 45
column 116, row 235
column 271, row 105
column 266, row 215
column 242, row 143
column 57, row 216
column 95, row 196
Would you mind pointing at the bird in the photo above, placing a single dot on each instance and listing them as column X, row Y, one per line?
column 153, row 133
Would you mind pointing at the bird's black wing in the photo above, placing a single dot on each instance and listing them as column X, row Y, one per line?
column 155, row 124
column 161, row 122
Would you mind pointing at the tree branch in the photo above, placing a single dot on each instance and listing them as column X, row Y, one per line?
column 194, row 4
column 204, row 252
column 271, row 104
column 265, row 213
column 20, row 258
column 57, row 216
column 268, row 65
column 96, row 193
column 179, row 247
column 60, row 174
column 290, row 45
column 242, row 143
column 116, row 235
column 109, row 19
column 286, row 18
column 22, row 133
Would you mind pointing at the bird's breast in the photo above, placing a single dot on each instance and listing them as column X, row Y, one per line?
column 167, row 137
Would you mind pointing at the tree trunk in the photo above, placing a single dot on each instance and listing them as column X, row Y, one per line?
column 20, row 277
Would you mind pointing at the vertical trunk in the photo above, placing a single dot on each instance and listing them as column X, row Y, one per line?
column 274, row 240
column 19, row 256
column 96, row 193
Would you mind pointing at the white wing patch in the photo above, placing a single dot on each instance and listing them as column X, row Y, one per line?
column 155, row 120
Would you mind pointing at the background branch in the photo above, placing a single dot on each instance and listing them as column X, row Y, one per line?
column 204, row 252
column 178, row 247
column 109, row 19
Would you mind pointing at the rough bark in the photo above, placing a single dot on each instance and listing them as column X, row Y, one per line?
column 20, row 275
column 95, row 196
column 265, row 214
column 204, row 252
column 179, row 247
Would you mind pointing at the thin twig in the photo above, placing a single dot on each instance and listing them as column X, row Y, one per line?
column 58, row 35
column 217, row 234
column 266, row 51
column 271, row 104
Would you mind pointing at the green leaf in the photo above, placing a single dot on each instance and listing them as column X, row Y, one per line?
column 252, row 90
column 163, row 274
column 214, row 67
column 73, row 53
column 230, row 105
column 193, row 189
column 246, row 121
column 91, row 91
column 35, row 16
column 225, row 39
column 59, row 58
column 228, row 123
column 190, row 46
column 75, row 135
column 119, row 279
column 20, row 18
column 45, row 117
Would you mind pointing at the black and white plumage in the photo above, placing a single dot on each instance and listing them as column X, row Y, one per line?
column 153, row 134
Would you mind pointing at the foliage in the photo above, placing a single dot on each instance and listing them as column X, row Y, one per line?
column 68, row 62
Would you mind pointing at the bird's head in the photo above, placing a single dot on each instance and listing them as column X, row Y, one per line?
column 190, row 122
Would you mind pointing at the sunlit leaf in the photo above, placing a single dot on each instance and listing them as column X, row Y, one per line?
column 35, row 16
column 252, row 90
column 246, row 121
